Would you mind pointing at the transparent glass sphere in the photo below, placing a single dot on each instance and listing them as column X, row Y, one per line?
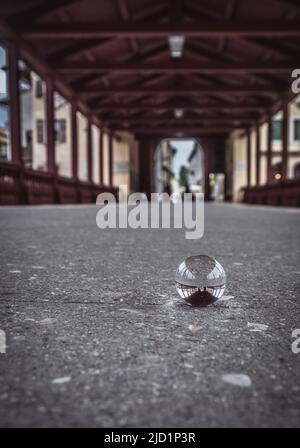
column 200, row 280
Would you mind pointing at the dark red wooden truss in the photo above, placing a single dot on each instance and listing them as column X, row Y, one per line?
column 112, row 58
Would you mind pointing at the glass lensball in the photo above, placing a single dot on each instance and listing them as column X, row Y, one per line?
column 200, row 280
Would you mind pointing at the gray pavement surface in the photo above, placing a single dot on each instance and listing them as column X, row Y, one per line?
column 96, row 335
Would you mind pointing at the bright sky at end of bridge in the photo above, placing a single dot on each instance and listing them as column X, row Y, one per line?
column 184, row 149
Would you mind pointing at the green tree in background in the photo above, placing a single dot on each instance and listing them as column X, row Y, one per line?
column 183, row 178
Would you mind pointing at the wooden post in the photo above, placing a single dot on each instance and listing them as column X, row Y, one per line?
column 269, row 150
column 207, row 164
column 110, row 157
column 285, row 140
column 248, row 157
column 147, row 146
column 50, row 127
column 101, row 158
column 89, row 153
column 15, row 125
column 257, row 135
column 74, row 144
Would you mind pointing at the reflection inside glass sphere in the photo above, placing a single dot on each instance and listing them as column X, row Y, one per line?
column 200, row 280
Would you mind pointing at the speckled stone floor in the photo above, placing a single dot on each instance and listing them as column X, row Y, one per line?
column 97, row 337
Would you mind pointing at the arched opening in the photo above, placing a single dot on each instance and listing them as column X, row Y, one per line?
column 179, row 166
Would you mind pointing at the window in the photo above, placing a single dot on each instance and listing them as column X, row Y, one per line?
column 62, row 135
column 39, row 91
column 5, row 148
column 32, row 92
column 60, row 130
column 95, row 153
column 40, row 130
column 296, row 134
column 82, row 125
column 277, row 129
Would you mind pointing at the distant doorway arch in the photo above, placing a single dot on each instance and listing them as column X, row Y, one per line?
column 179, row 166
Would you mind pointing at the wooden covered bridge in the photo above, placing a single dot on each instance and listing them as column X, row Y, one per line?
column 92, row 330
column 81, row 78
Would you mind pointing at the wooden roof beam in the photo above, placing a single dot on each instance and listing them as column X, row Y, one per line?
column 207, row 29
column 125, row 17
column 35, row 13
column 198, row 12
column 152, row 13
column 178, row 130
column 182, row 105
column 181, row 121
column 181, row 91
column 292, row 4
column 177, row 67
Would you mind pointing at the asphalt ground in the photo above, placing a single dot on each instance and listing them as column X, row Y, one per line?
column 97, row 336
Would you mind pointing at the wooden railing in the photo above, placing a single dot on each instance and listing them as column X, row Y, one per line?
column 20, row 185
column 285, row 193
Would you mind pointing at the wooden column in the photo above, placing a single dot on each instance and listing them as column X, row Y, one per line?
column 207, row 165
column 248, row 138
column 50, row 127
column 89, row 153
column 285, row 139
column 74, row 144
column 147, row 148
column 269, row 150
column 101, row 158
column 15, row 125
column 257, row 142
column 110, row 158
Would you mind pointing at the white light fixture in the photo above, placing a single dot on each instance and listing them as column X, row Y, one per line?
column 178, row 113
column 176, row 44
